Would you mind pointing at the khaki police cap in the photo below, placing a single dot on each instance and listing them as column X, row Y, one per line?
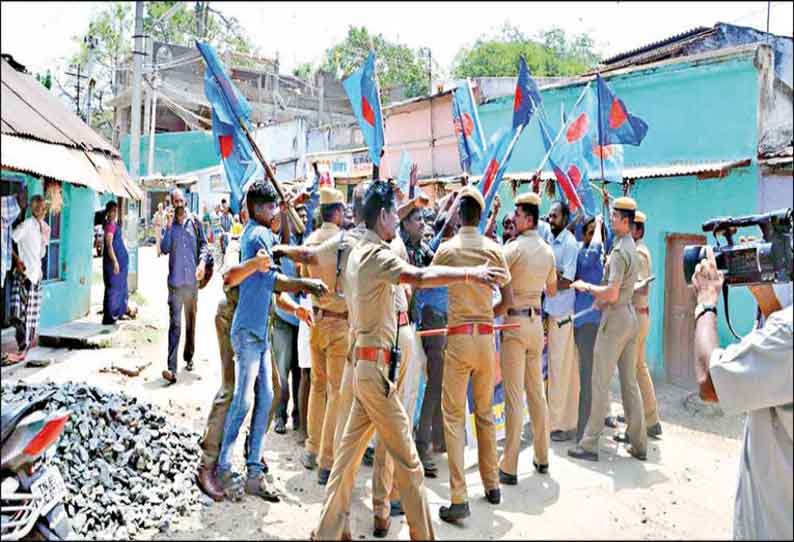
column 639, row 217
column 625, row 204
column 530, row 198
column 473, row 193
column 329, row 196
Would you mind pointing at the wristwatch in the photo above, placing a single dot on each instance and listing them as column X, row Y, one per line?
column 703, row 308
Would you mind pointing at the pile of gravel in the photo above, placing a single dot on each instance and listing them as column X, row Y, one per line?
column 125, row 466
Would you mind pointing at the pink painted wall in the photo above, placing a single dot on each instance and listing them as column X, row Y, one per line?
column 408, row 127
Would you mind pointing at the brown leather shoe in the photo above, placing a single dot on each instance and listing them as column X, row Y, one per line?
column 381, row 527
column 169, row 376
column 209, row 484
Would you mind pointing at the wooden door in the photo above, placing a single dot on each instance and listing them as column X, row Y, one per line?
column 679, row 305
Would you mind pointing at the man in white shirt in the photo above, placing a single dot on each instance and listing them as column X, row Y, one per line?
column 753, row 376
column 31, row 237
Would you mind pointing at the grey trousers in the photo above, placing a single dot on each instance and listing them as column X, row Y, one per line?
column 585, row 337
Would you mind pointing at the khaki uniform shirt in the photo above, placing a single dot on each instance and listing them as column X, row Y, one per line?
column 622, row 264
column 531, row 263
column 374, row 271
column 325, row 272
column 643, row 272
column 341, row 245
column 231, row 259
column 472, row 302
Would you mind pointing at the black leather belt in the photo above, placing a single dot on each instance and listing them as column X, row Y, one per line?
column 528, row 311
column 325, row 313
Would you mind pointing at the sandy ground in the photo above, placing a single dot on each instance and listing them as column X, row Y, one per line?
column 685, row 489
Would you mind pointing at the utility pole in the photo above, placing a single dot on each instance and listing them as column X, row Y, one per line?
column 79, row 76
column 155, row 84
column 137, row 72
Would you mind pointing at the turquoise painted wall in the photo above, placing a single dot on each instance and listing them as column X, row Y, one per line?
column 70, row 297
column 696, row 112
column 174, row 152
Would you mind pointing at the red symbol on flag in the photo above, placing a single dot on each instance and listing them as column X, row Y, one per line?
column 518, row 99
column 617, row 114
column 575, row 175
column 464, row 125
column 227, row 144
column 367, row 112
column 568, row 189
column 602, row 151
column 489, row 176
column 578, row 128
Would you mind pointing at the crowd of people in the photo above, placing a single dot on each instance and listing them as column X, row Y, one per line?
column 339, row 318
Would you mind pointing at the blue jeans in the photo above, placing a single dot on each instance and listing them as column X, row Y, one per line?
column 252, row 380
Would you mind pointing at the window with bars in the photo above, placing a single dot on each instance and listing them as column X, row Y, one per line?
column 51, row 262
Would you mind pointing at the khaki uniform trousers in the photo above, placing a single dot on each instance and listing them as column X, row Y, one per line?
column 563, row 388
column 521, row 360
column 329, row 343
column 375, row 410
column 469, row 357
column 213, row 434
column 643, row 375
column 616, row 344
column 383, row 487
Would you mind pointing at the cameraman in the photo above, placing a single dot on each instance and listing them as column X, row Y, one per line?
column 755, row 376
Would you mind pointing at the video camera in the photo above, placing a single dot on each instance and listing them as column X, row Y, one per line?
column 761, row 262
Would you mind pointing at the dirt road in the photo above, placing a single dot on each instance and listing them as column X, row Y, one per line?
column 685, row 489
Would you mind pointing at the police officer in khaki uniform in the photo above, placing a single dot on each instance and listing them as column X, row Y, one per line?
column 328, row 341
column 375, row 271
column 532, row 268
column 616, row 342
column 640, row 302
column 470, row 354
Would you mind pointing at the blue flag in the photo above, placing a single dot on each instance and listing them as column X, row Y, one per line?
column 615, row 123
column 404, row 177
column 466, row 121
column 363, row 94
column 231, row 143
column 574, row 157
column 527, row 98
column 499, row 151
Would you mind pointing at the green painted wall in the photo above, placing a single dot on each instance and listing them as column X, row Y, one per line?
column 696, row 112
column 174, row 152
column 70, row 297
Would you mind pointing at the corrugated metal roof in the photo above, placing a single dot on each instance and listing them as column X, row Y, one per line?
column 92, row 169
column 28, row 109
column 41, row 136
column 657, row 44
column 719, row 168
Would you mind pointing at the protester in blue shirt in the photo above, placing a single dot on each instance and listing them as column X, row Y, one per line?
column 249, row 341
column 188, row 255
column 589, row 268
column 563, row 372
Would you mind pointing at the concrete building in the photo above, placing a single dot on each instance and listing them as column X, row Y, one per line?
column 719, row 143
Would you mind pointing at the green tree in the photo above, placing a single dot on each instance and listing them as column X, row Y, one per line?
column 553, row 53
column 113, row 26
column 304, row 70
column 45, row 79
column 397, row 65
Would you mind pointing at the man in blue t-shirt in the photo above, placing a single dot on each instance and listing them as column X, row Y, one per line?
column 249, row 341
column 589, row 268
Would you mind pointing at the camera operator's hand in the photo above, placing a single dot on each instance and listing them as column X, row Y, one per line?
column 764, row 294
column 707, row 279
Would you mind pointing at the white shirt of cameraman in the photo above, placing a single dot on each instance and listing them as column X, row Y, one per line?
column 753, row 376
